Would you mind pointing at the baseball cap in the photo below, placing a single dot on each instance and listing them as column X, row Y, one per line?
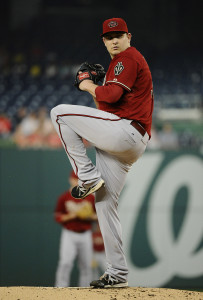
column 114, row 24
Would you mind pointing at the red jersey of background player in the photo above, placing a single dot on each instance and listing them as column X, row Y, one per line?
column 66, row 204
column 98, row 243
column 129, row 70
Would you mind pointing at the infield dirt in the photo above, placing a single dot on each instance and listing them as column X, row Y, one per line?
column 49, row 293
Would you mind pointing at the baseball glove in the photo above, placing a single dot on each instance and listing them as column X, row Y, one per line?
column 94, row 72
column 86, row 211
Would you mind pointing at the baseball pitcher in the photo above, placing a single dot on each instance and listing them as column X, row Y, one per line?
column 119, row 129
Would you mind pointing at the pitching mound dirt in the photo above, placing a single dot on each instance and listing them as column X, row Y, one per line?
column 48, row 293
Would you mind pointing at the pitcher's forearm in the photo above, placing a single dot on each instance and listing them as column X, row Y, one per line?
column 88, row 86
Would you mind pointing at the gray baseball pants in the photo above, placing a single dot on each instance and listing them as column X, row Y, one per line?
column 118, row 145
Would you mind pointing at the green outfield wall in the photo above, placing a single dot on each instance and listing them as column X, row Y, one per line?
column 161, row 211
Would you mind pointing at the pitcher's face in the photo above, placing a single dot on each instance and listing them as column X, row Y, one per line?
column 116, row 42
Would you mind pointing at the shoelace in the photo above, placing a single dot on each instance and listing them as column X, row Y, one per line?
column 109, row 279
column 81, row 190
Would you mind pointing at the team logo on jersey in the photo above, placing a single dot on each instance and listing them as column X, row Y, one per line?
column 112, row 24
column 118, row 68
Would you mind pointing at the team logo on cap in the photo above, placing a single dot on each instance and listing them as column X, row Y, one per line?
column 118, row 68
column 112, row 24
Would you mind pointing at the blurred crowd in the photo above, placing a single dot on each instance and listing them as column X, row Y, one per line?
column 29, row 129
column 35, row 130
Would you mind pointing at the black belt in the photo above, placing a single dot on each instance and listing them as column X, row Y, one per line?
column 139, row 128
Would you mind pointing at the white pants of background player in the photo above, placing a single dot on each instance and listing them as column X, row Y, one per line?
column 72, row 245
column 118, row 145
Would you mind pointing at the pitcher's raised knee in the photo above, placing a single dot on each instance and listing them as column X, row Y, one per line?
column 57, row 110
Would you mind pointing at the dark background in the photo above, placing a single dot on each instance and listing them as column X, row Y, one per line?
column 158, row 27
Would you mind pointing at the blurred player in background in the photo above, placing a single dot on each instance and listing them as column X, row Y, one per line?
column 75, row 216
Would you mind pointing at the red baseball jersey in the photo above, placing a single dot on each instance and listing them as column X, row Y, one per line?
column 130, row 71
column 65, row 204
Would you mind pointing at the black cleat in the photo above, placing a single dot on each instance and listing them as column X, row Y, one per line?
column 80, row 192
column 106, row 281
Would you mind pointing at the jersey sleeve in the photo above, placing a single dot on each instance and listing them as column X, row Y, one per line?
column 109, row 93
column 124, row 73
column 60, row 208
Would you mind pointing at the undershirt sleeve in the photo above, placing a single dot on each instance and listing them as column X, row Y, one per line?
column 110, row 93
